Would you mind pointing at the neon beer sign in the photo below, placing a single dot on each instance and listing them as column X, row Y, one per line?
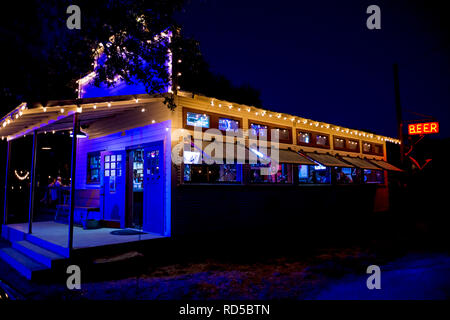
column 423, row 128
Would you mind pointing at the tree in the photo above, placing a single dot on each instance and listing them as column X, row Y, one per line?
column 43, row 58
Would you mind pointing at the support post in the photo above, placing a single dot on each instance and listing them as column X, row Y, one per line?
column 5, row 203
column 399, row 113
column 32, row 184
column 75, row 130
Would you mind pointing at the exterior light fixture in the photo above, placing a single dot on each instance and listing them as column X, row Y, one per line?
column 80, row 135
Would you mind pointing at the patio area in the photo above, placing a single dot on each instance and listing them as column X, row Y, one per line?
column 57, row 234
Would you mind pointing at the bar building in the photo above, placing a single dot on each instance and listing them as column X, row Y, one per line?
column 124, row 176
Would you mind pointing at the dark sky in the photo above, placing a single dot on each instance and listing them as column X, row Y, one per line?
column 317, row 59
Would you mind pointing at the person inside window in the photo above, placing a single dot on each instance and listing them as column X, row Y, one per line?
column 342, row 177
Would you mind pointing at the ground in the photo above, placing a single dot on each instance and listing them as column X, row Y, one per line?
column 338, row 273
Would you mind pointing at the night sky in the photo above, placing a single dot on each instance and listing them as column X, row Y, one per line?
column 317, row 59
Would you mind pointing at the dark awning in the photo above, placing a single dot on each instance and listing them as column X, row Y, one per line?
column 284, row 156
column 386, row 166
column 328, row 160
column 218, row 152
column 289, row 156
column 360, row 163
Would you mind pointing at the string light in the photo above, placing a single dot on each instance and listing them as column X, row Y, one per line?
column 21, row 177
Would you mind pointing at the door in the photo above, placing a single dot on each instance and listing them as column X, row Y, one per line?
column 112, row 196
column 154, row 188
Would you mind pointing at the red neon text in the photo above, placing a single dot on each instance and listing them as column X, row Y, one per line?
column 423, row 128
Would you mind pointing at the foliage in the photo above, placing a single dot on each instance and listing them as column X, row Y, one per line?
column 43, row 59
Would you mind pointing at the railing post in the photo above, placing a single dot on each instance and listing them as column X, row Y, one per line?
column 76, row 129
column 32, row 183
column 5, row 203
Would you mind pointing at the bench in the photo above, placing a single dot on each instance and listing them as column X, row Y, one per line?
column 87, row 207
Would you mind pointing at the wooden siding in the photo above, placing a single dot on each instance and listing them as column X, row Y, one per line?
column 203, row 104
column 122, row 140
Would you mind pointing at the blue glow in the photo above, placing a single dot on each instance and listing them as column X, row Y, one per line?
column 197, row 120
column 228, row 124
column 258, row 153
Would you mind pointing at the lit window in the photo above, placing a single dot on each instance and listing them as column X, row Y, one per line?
column 215, row 173
column 318, row 174
column 258, row 130
column 339, row 143
column 197, row 120
column 321, row 140
column 347, row 175
column 353, row 145
column 373, row 176
column 283, row 175
column 367, row 147
column 228, row 124
column 283, row 134
column 304, row 137
column 113, row 165
column 93, row 167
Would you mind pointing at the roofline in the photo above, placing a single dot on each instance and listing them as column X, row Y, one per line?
column 291, row 118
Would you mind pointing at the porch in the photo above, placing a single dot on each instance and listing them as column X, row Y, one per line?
column 57, row 234
column 37, row 253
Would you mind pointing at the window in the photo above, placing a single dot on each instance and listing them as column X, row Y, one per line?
column 303, row 137
column 283, row 134
column 215, row 173
column 373, row 176
column 353, row 145
column 226, row 124
column 93, row 167
column 113, row 165
column 283, row 174
column 318, row 174
column 347, row 175
column 367, row 147
column 378, row 148
column 339, row 143
column 138, row 170
column 197, row 120
column 321, row 140
column 258, row 130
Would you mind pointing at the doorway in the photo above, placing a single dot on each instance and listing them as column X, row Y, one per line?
column 135, row 188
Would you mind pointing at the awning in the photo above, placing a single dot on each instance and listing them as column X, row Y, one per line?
column 328, row 160
column 289, row 156
column 386, row 166
column 218, row 152
column 97, row 116
column 284, row 156
column 360, row 163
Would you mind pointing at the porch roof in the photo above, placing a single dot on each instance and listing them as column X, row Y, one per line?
column 385, row 165
column 328, row 160
column 97, row 116
column 361, row 163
